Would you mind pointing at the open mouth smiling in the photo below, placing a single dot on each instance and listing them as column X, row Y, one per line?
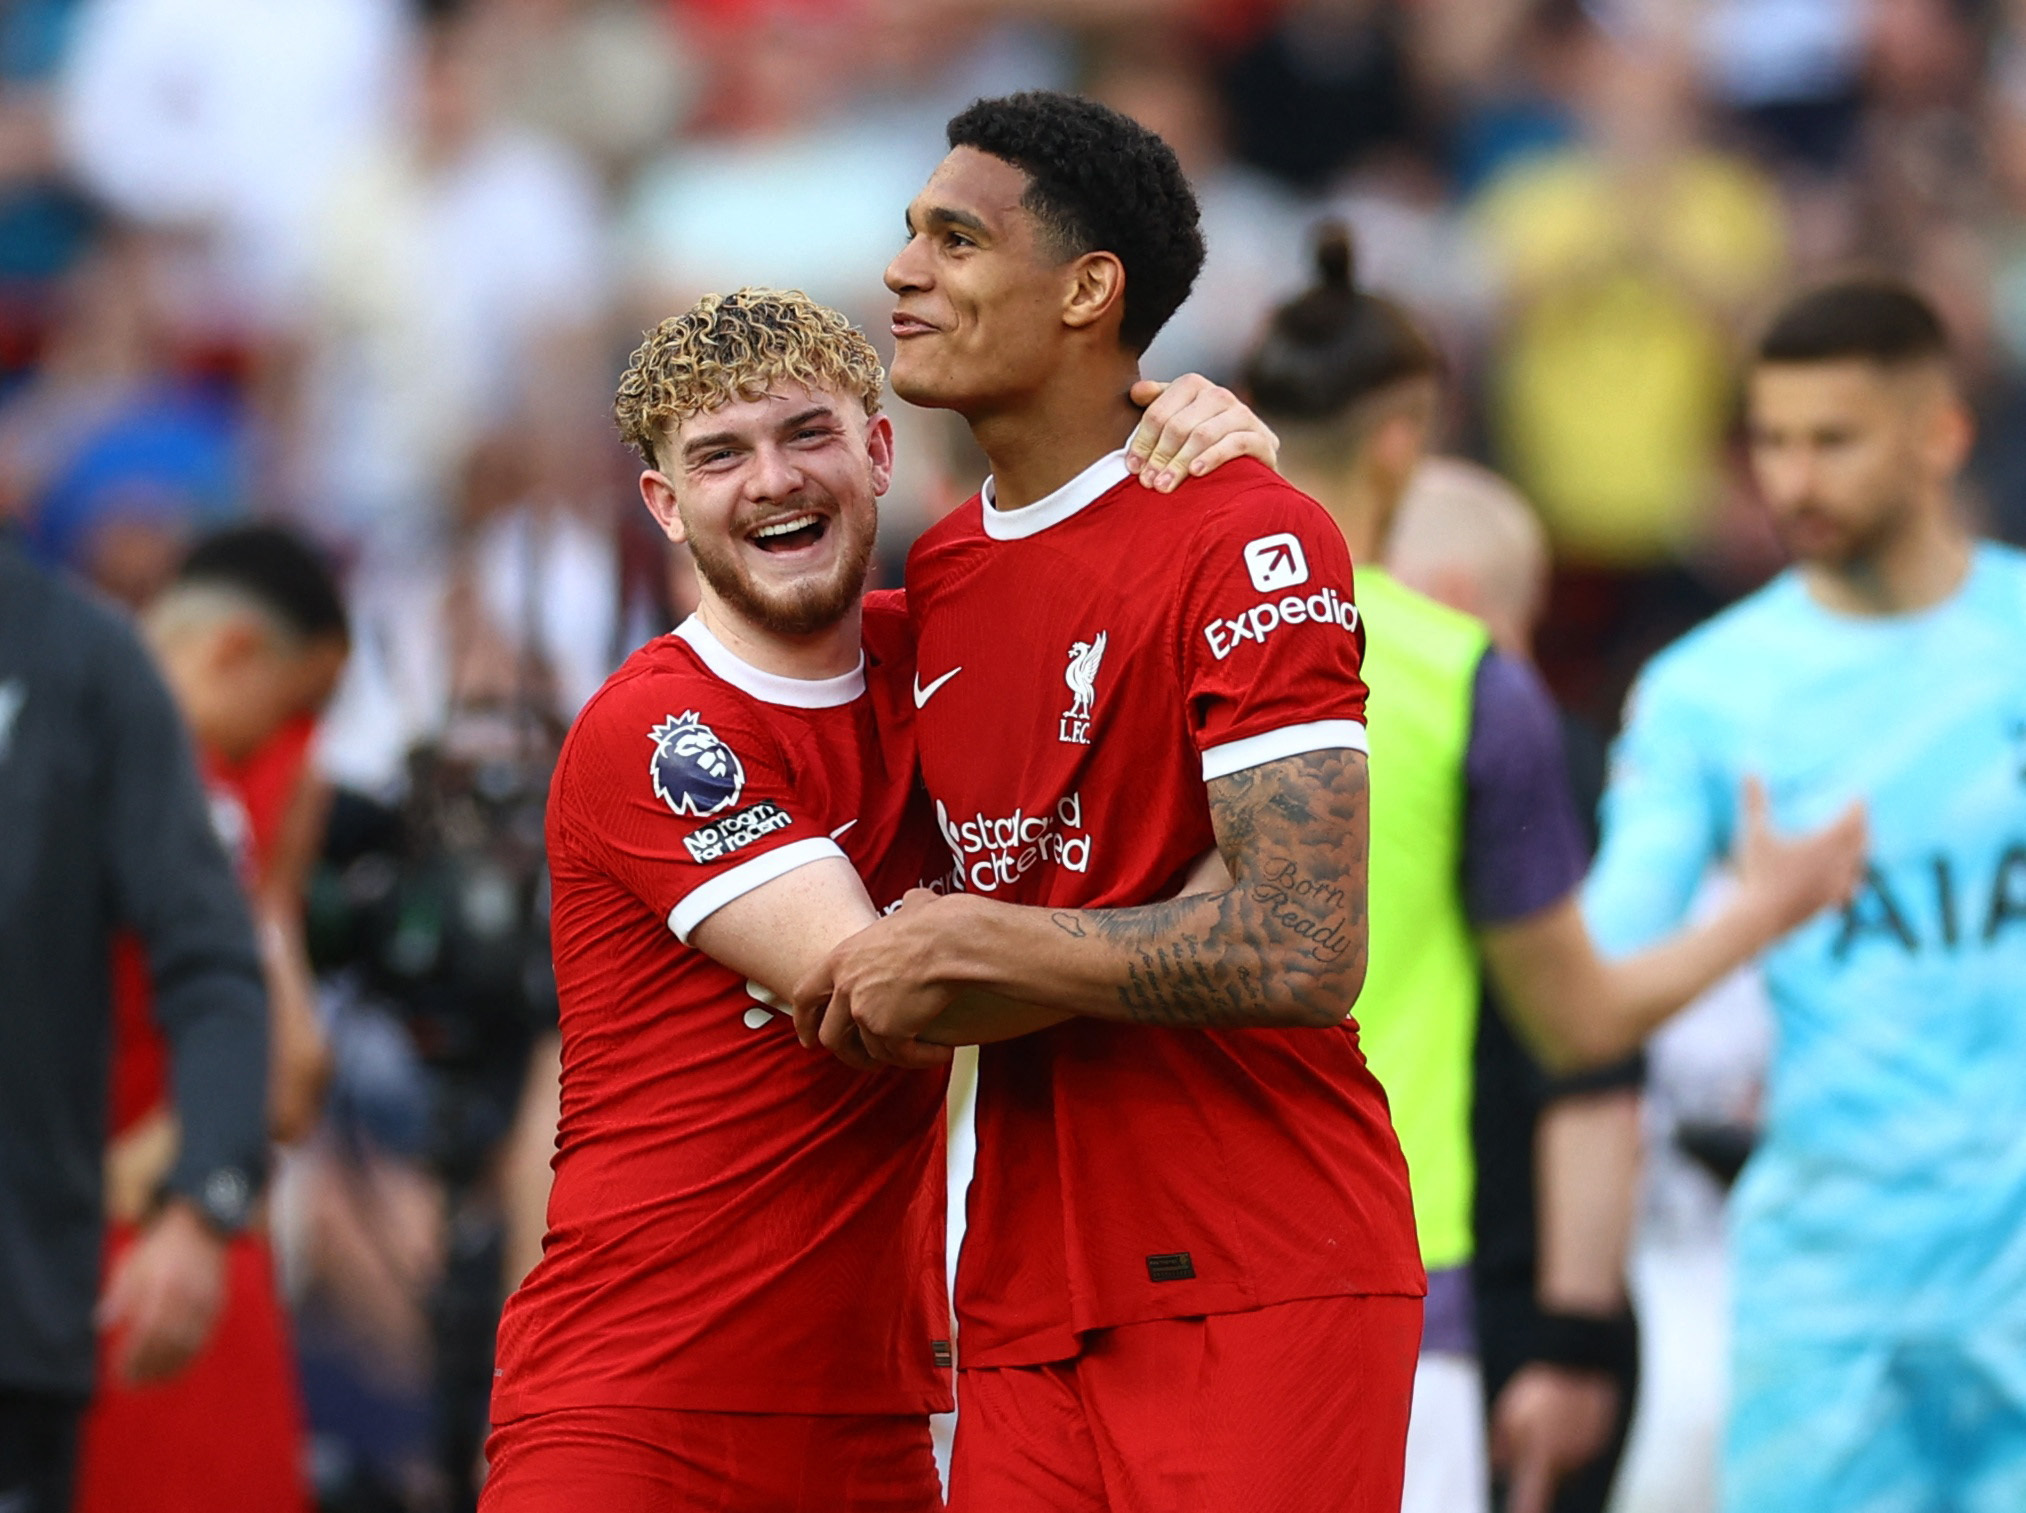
column 791, row 533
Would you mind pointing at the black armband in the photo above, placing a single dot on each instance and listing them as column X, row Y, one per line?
column 1586, row 1342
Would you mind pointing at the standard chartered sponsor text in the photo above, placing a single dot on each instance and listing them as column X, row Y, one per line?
column 993, row 853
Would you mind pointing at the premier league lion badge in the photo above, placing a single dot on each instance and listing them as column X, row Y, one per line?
column 695, row 773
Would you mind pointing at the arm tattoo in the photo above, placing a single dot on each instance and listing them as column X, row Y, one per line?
column 1287, row 940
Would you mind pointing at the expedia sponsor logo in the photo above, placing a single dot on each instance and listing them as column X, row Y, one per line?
column 736, row 830
column 1276, row 562
column 995, row 853
column 1257, row 623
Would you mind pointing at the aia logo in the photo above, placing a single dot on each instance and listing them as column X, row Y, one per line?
column 1276, row 562
column 1081, row 676
column 694, row 772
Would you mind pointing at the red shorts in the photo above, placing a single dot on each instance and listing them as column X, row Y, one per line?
column 666, row 1460
column 227, row 1433
column 1296, row 1408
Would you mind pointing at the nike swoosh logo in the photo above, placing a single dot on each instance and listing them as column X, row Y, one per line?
column 842, row 828
column 923, row 695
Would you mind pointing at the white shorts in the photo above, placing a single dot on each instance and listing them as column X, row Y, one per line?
column 1447, row 1469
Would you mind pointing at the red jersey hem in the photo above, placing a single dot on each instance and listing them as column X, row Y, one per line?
column 512, row 1404
column 1046, row 1348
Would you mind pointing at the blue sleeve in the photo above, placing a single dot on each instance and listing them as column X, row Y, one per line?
column 1665, row 815
column 1523, row 846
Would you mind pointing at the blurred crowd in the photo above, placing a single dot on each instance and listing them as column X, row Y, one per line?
column 371, row 265
column 371, row 268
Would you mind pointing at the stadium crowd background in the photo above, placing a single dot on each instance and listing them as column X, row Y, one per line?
column 371, row 267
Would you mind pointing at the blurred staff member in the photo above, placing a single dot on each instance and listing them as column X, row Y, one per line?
column 1476, row 855
column 1879, row 1261
column 103, row 823
column 1558, row 1159
column 250, row 636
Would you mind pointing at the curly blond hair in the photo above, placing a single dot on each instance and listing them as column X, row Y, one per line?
column 738, row 346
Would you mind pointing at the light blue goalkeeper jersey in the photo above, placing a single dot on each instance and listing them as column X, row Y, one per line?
column 1889, row 1196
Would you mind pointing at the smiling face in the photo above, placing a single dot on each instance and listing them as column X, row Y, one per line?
column 776, row 497
column 985, row 296
column 1850, row 453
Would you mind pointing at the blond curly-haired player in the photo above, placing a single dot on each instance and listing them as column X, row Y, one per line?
column 740, row 1302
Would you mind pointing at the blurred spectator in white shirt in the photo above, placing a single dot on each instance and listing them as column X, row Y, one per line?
column 447, row 375
column 457, row 282
column 227, row 116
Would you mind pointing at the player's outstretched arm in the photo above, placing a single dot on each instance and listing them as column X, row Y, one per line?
column 1578, row 1009
column 975, row 1016
column 1283, row 945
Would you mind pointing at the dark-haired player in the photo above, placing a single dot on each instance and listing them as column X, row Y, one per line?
column 1476, row 857
column 1879, row 1358
column 250, row 635
column 740, row 1299
column 1190, row 1278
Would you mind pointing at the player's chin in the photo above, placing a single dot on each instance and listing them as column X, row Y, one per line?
column 809, row 596
column 919, row 378
column 1813, row 538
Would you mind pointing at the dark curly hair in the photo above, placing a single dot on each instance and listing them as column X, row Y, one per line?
column 1099, row 182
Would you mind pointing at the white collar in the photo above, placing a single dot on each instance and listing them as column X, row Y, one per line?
column 770, row 687
column 1086, row 488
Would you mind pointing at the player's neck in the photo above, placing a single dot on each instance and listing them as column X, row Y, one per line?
column 827, row 653
column 1038, row 443
column 1914, row 571
column 1360, row 503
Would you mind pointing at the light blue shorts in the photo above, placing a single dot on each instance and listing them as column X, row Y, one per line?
column 1828, row 1427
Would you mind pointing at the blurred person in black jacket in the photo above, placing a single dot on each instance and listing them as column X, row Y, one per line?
column 105, row 824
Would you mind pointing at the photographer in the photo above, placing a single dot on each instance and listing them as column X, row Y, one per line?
column 429, row 916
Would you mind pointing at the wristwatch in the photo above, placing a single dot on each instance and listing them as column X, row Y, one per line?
column 223, row 1198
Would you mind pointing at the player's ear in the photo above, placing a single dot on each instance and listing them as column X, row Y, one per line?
column 658, row 494
column 1097, row 287
column 1954, row 430
column 879, row 446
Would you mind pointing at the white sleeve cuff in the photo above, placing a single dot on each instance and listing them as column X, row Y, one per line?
column 704, row 901
column 1289, row 740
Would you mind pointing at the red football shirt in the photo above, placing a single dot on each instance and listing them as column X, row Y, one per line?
column 249, row 800
column 1087, row 664
column 737, row 1224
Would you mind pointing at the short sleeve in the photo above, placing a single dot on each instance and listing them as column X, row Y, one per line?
column 1270, row 637
column 682, row 794
column 1662, row 824
column 1522, row 843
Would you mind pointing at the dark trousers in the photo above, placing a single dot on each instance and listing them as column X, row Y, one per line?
column 38, row 1451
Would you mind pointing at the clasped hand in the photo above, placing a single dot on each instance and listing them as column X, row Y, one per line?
column 877, row 991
